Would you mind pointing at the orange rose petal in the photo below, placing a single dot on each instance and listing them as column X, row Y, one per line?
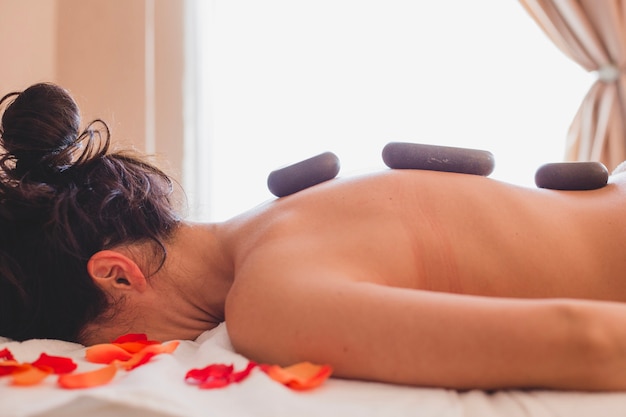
column 32, row 375
column 147, row 353
column 10, row 367
column 106, row 353
column 89, row 379
column 138, row 359
column 134, row 347
column 301, row 376
column 56, row 364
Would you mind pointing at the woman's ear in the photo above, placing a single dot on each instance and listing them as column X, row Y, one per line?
column 111, row 270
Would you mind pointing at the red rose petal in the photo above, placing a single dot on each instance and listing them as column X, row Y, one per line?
column 215, row 371
column 218, row 375
column 131, row 337
column 241, row 375
column 215, row 383
column 5, row 354
column 56, row 364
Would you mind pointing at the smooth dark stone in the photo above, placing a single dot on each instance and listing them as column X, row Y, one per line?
column 403, row 155
column 304, row 174
column 572, row 176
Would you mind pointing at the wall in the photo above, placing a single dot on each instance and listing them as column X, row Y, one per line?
column 121, row 59
column 101, row 59
column 27, row 43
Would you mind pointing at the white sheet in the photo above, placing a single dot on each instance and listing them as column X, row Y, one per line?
column 158, row 390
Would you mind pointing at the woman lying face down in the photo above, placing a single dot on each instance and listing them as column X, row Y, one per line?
column 410, row 277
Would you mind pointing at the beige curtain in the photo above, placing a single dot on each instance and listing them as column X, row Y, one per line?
column 592, row 33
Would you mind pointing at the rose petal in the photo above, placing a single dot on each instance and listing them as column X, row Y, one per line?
column 56, row 364
column 301, row 376
column 215, row 383
column 146, row 354
column 138, row 359
column 134, row 342
column 131, row 337
column 214, row 371
column 32, row 375
column 241, row 375
column 9, row 367
column 106, row 353
column 5, row 354
column 89, row 379
column 218, row 375
column 134, row 347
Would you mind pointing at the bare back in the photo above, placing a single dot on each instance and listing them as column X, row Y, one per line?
column 445, row 232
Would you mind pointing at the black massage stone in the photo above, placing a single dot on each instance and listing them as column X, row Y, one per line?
column 572, row 176
column 304, row 174
column 402, row 155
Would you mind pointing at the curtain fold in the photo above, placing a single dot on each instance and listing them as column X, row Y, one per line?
column 593, row 34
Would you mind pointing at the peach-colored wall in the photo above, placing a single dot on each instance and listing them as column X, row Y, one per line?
column 169, row 70
column 121, row 59
column 101, row 60
column 27, row 43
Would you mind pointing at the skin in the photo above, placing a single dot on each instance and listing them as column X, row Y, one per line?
column 410, row 277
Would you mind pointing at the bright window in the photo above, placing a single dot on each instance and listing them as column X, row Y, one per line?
column 279, row 81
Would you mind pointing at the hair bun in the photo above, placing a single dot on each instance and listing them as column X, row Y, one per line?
column 39, row 129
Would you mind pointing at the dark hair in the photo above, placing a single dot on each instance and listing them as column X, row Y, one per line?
column 64, row 197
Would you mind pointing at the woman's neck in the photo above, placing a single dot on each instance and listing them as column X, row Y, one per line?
column 198, row 272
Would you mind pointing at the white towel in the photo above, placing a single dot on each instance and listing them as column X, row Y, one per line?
column 158, row 389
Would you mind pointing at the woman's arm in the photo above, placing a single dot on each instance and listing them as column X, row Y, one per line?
column 372, row 332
